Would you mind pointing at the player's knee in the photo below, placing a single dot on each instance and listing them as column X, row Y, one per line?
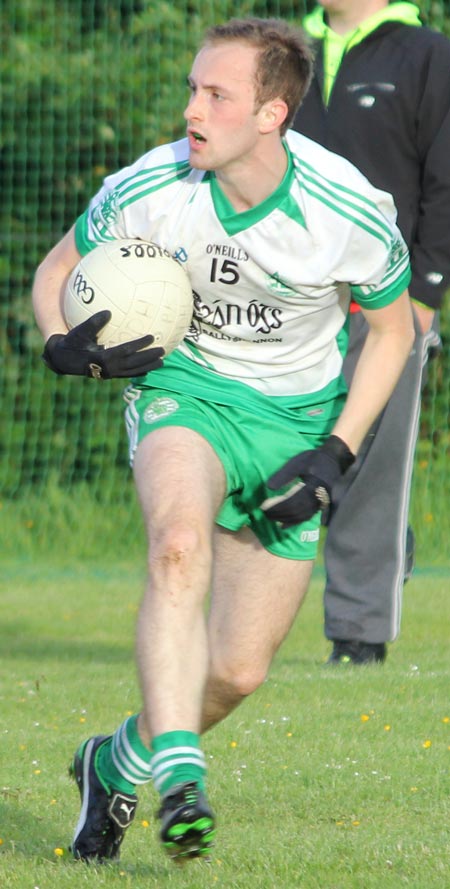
column 178, row 548
column 239, row 681
column 247, row 681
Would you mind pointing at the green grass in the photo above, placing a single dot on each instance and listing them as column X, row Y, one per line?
column 324, row 779
column 309, row 791
column 91, row 527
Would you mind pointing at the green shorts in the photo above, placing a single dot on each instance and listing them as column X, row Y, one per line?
column 251, row 448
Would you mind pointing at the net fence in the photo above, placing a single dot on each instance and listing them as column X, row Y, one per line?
column 86, row 86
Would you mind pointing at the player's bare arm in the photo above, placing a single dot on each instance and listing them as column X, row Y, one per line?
column 49, row 283
column 385, row 352
column 313, row 473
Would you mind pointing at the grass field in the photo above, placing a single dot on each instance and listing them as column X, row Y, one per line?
column 325, row 779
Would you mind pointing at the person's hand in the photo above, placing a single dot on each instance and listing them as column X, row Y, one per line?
column 319, row 469
column 79, row 353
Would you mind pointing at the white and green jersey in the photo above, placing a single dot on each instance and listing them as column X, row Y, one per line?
column 272, row 285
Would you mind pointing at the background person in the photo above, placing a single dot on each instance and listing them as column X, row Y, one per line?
column 254, row 397
column 381, row 97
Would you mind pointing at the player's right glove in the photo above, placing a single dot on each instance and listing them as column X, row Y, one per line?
column 79, row 353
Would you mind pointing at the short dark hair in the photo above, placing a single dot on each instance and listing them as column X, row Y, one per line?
column 284, row 64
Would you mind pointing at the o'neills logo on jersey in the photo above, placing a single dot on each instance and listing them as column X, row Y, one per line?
column 228, row 250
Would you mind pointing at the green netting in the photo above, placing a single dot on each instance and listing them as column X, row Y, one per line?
column 86, row 86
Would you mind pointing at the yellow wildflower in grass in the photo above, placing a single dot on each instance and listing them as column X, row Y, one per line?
column 1, row 842
column 59, row 852
column 426, row 744
column 387, row 728
column 233, row 744
column 289, row 734
column 364, row 717
column 145, row 823
column 82, row 719
column 356, row 823
column 446, row 719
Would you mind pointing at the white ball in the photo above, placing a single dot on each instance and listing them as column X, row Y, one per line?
column 144, row 288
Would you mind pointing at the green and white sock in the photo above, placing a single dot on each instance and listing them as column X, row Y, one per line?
column 125, row 760
column 177, row 758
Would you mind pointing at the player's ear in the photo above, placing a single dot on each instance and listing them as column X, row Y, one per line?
column 272, row 115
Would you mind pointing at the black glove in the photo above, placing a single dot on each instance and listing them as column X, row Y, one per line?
column 78, row 352
column 320, row 469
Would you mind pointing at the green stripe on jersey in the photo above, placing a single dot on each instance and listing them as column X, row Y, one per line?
column 344, row 201
column 139, row 185
column 148, row 181
column 384, row 297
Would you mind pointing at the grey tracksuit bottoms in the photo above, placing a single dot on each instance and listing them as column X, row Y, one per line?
column 365, row 547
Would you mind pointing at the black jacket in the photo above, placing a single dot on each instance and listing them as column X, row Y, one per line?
column 389, row 113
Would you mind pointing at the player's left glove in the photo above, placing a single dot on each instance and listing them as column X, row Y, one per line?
column 319, row 469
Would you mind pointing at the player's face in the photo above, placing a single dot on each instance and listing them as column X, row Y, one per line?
column 222, row 123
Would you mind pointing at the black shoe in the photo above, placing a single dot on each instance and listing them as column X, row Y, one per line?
column 104, row 815
column 187, row 823
column 349, row 652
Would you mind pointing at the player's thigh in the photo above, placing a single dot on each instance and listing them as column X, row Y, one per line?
column 178, row 476
column 256, row 596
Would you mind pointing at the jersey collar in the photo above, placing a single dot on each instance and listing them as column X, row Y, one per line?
column 234, row 222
